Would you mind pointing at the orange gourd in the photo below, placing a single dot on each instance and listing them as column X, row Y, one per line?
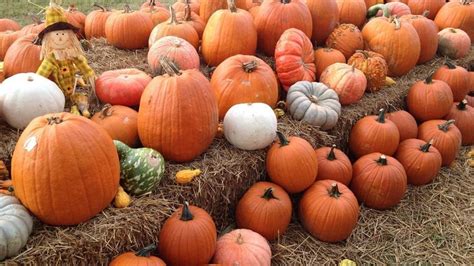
column 405, row 123
column 349, row 82
column 333, row 164
column 157, row 14
column 463, row 115
column 446, row 138
column 347, row 39
column 456, row 77
column 324, row 57
column 120, row 122
column 374, row 67
column 182, row 5
column 189, row 17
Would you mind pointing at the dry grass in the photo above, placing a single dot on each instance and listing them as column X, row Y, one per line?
column 433, row 223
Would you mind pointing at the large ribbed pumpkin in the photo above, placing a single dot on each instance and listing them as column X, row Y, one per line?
column 374, row 134
column 23, row 56
column 352, row 12
column 456, row 77
column 8, row 24
column 346, row 38
column 421, row 161
column 428, row 34
column 429, row 99
column 374, row 67
column 463, row 115
column 294, row 58
column 292, row 164
column 379, row 181
column 208, row 7
column 405, row 123
column 95, row 22
column 349, row 82
column 122, row 30
column 181, row 52
column 178, row 114
column 324, row 57
column 325, row 14
column 120, row 122
column 329, row 211
column 446, row 138
column 57, row 139
column 223, row 38
column 333, row 164
column 243, row 79
column 397, row 41
column 7, row 38
column 458, row 14
column 453, row 43
column 188, row 237
column 276, row 16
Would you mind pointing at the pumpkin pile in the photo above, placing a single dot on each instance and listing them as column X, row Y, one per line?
column 327, row 54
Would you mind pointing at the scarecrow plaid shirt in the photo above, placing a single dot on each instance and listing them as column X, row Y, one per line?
column 63, row 72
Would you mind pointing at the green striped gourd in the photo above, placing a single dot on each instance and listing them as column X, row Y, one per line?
column 140, row 169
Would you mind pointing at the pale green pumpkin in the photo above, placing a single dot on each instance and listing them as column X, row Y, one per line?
column 140, row 169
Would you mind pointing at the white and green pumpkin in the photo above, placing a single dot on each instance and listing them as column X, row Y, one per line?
column 140, row 169
column 15, row 226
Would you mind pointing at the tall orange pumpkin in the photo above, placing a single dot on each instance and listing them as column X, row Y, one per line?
column 276, row 16
column 294, row 58
column 7, row 38
column 463, row 115
column 446, row 138
column 418, row 7
column 456, row 77
column 178, row 114
column 324, row 57
column 428, row 34
column 374, row 134
column 333, row 164
column 208, row 7
column 188, row 237
column 325, row 14
column 22, row 56
column 94, row 26
column 405, row 123
column 458, row 14
column 122, row 31
column 222, row 36
column 352, row 12
column 397, row 41
column 86, row 171
column 189, row 17
column 9, row 24
column 346, row 38
column 292, row 163
column 243, row 79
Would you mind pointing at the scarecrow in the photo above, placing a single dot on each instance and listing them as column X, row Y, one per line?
column 63, row 60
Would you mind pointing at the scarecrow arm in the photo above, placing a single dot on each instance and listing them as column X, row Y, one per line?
column 83, row 66
column 46, row 68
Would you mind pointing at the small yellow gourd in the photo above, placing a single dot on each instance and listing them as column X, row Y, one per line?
column 186, row 176
column 347, row 262
column 122, row 199
column 220, row 130
column 279, row 112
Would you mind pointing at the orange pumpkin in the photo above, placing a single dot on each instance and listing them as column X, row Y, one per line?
column 208, row 7
column 352, row 12
column 374, row 67
column 90, row 164
column 324, row 57
column 370, row 3
column 446, row 138
column 405, row 123
column 429, row 99
column 428, row 34
column 94, row 26
column 276, row 16
column 266, row 209
column 157, row 14
column 173, row 27
column 176, row 49
column 329, row 211
column 181, row 5
column 347, row 39
column 168, row 120
column 463, row 115
column 325, row 16
column 453, row 43
column 149, row 3
column 77, row 19
column 463, row 18
column 292, row 163
column 192, row 230
column 122, row 32
column 333, row 164
column 420, row 159
column 189, row 17
column 7, row 38
column 456, row 77
column 9, row 24
column 395, row 8
column 140, row 258
column 374, row 134
column 243, row 79
column 419, row 7
column 222, row 36
column 36, row 27
column 120, row 122
column 379, row 181
column 349, row 82
column 23, row 56
column 397, row 41
column 294, row 58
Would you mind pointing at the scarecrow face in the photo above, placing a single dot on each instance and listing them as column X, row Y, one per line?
column 60, row 39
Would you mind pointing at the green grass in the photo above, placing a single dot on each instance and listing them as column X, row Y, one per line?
column 19, row 9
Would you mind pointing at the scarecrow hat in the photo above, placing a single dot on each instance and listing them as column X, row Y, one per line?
column 55, row 20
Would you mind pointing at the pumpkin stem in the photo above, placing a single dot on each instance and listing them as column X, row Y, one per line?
column 36, row 20
column 187, row 12
column 99, row 6
column 462, row 105
column 145, row 252
column 331, row 154
column 429, row 79
column 231, row 5
column 445, row 126
column 249, row 67
column 364, row 53
column 127, row 9
column 450, row 64
column 398, row 24
column 169, row 66
column 373, row 10
column 54, row 120
column 426, row 13
column 426, row 147
column 285, row 1
column 283, row 140
column 381, row 118
column 334, row 191
column 173, row 19
column 186, row 214
column 106, row 112
column 268, row 195
column 152, row 3
column 239, row 240
column 382, row 160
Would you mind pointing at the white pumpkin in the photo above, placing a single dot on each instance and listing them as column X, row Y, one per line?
column 314, row 103
column 26, row 96
column 250, row 126
column 16, row 225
